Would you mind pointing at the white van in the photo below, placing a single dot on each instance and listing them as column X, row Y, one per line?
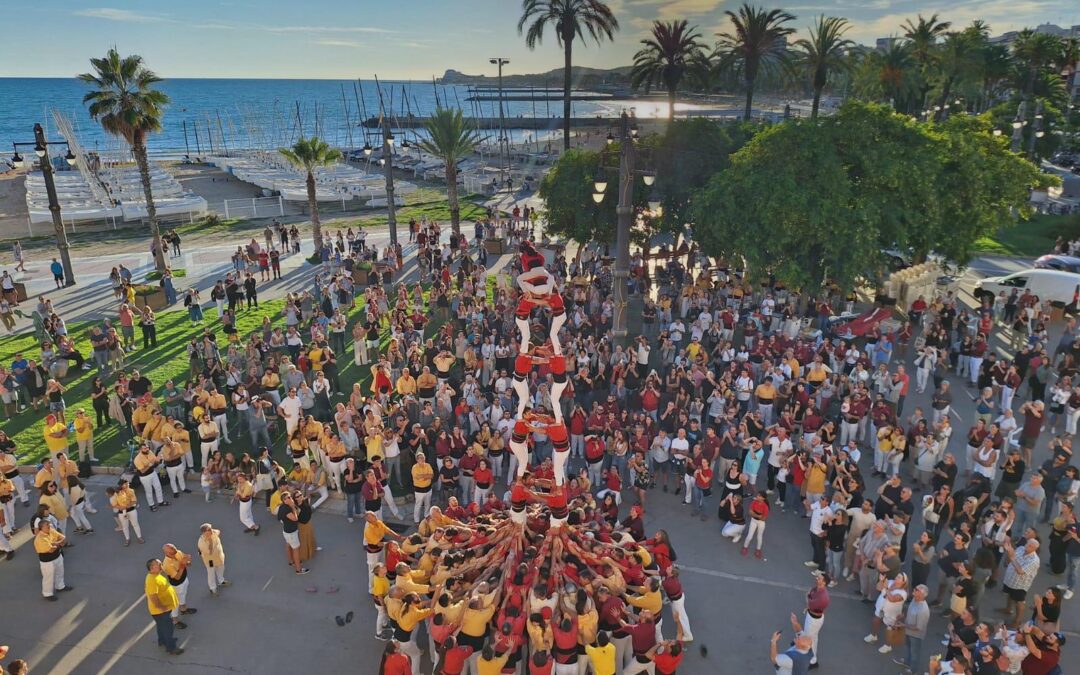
column 1053, row 285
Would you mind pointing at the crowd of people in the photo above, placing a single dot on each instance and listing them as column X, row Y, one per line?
column 526, row 562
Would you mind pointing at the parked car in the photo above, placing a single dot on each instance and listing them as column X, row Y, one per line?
column 1054, row 285
column 1065, row 263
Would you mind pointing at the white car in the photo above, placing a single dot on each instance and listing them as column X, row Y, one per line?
column 1053, row 285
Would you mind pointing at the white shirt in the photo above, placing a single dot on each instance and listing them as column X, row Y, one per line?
column 290, row 406
column 818, row 513
column 778, row 451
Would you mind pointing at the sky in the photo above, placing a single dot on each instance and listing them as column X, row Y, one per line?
column 344, row 39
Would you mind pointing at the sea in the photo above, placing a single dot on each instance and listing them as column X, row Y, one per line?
column 207, row 116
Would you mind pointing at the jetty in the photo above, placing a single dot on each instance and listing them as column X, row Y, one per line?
column 535, row 123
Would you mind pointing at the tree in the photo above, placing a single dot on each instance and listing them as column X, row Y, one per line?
column 889, row 75
column 924, row 35
column 673, row 52
column 309, row 154
column 567, row 193
column 811, row 203
column 956, row 60
column 757, row 41
column 1035, row 52
column 450, row 139
column 569, row 19
column 126, row 104
column 685, row 157
column 825, row 50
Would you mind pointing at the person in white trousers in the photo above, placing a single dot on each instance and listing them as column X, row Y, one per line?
column 213, row 556
column 175, row 568
column 78, row 500
column 245, row 492
column 209, row 439
column 674, row 592
column 124, row 504
column 173, row 456
column 48, row 543
column 146, row 467
column 817, row 601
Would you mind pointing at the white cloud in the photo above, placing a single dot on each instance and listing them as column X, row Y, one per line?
column 120, row 15
column 352, row 44
column 322, row 29
column 678, row 9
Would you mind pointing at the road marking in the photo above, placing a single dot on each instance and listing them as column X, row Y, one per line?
column 765, row 582
column 267, row 584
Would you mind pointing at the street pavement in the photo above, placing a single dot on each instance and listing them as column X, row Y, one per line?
column 268, row 622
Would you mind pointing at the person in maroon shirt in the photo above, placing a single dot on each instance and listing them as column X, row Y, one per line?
column 565, row 634
column 642, row 638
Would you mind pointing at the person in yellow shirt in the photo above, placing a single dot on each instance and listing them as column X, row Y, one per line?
column 146, row 467
column 374, row 446
column 218, row 407
column 601, row 655
column 161, row 600
column 380, row 588
column 647, row 597
column 152, row 429
column 139, row 417
column 56, row 435
column 406, row 579
column 406, row 384
column 124, row 504
column 173, row 456
column 52, row 498
column 213, row 556
column 46, row 473
column 49, row 544
column 422, row 475
column 412, row 612
column 175, row 568
column 181, row 436
column 84, row 436
column 766, row 395
column 245, row 491
column 375, row 531
column 491, row 662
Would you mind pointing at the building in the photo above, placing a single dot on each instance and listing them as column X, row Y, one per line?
column 883, row 43
column 1048, row 28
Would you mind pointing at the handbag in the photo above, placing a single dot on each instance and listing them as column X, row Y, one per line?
column 894, row 637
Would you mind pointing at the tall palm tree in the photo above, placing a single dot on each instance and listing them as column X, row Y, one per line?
column 309, row 154
column 890, row 74
column 758, row 40
column 1035, row 52
column 924, row 35
column 825, row 50
column 995, row 66
column 673, row 52
column 569, row 19
column 126, row 104
column 450, row 139
column 956, row 61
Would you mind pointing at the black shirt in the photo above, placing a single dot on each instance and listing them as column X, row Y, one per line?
column 139, row 386
column 287, row 526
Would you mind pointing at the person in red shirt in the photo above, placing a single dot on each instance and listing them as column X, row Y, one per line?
column 667, row 656
column 759, row 513
column 594, row 456
column 703, row 479
column 394, row 662
column 453, row 657
column 541, row 663
column 564, row 651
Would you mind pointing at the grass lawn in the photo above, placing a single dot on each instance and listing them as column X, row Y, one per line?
column 1033, row 237
column 167, row 361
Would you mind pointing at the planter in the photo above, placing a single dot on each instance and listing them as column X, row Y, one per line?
column 360, row 276
column 156, row 301
column 495, row 246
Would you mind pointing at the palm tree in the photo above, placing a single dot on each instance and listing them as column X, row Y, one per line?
column 758, row 41
column 1035, row 51
column 924, row 34
column 956, row 60
column 569, row 19
column 827, row 49
column 309, row 154
column 673, row 52
column 890, row 74
column 451, row 140
column 126, row 104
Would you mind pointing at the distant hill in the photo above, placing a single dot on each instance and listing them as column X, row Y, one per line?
column 583, row 78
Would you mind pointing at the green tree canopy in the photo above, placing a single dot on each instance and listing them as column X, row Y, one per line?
column 815, row 202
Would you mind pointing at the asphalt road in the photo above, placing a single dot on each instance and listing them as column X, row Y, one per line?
column 268, row 623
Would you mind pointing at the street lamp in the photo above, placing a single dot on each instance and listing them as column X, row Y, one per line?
column 625, row 213
column 388, row 168
column 41, row 150
column 503, row 148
